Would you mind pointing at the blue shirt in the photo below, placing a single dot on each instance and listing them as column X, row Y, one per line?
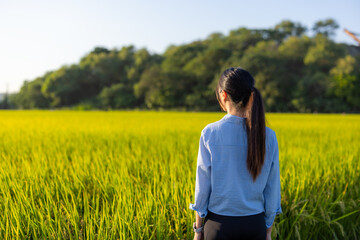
column 223, row 183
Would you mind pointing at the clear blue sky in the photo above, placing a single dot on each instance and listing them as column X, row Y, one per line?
column 37, row 36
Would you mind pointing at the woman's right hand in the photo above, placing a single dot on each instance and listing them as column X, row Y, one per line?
column 199, row 236
column 268, row 236
column 268, row 233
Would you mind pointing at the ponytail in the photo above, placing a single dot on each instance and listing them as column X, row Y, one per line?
column 255, row 129
column 240, row 86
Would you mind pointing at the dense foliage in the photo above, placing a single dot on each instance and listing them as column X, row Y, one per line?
column 295, row 72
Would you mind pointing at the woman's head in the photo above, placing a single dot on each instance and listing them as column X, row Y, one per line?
column 238, row 85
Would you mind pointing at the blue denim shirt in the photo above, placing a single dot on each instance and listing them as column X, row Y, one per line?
column 223, row 183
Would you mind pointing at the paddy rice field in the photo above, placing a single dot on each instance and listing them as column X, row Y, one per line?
column 131, row 175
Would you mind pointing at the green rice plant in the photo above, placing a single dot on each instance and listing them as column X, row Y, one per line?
column 131, row 175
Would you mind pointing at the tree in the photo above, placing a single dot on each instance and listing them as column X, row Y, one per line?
column 176, row 57
column 322, row 54
column 116, row 96
column 288, row 28
column 241, row 39
column 326, row 27
column 345, row 80
column 311, row 93
column 160, row 88
column 292, row 70
column 31, row 96
column 64, row 86
column 4, row 103
column 263, row 62
column 98, row 50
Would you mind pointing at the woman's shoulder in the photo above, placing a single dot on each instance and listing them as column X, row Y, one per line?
column 270, row 136
column 212, row 127
column 210, row 131
column 270, row 131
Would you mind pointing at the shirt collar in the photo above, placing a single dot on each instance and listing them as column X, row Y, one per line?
column 232, row 118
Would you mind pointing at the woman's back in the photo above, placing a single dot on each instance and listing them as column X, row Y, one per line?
column 222, row 173
column 233, row 192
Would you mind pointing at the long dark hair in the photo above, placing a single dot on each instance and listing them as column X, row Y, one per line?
column 239, row 85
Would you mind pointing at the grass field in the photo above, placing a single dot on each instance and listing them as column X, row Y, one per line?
column 131, row 175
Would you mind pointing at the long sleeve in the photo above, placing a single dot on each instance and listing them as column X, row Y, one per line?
column 272, row 193
column 203, row 179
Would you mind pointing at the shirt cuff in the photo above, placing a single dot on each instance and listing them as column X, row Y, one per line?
column 269, row 219
column 202, row 213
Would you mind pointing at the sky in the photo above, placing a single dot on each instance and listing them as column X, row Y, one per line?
column 38, row 36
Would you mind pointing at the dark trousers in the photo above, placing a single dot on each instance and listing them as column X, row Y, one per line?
column 239, row 227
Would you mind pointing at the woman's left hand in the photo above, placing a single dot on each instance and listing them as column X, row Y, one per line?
column 199, row 236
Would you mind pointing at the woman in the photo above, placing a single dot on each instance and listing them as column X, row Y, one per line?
column 237, row 190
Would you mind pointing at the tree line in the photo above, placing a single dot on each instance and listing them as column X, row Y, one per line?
column 296, row 70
